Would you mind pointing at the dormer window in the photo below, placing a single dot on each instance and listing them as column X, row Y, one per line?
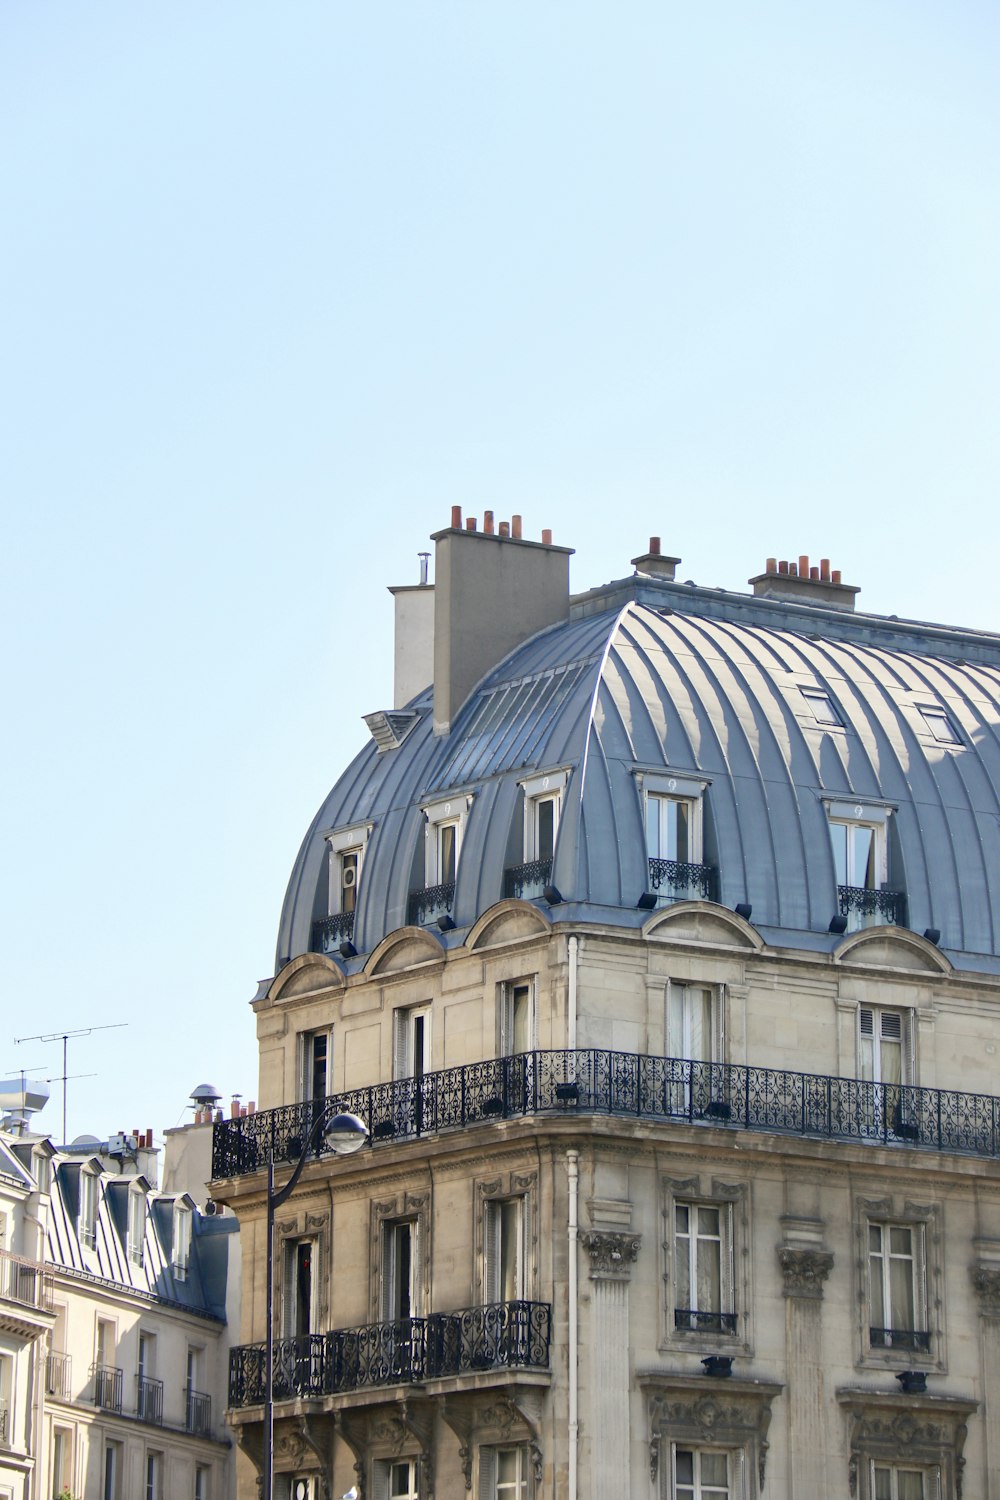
column 136, row 1225
column 822, row 705
column 543, row 803
column 346, row 855
column 89, row 1189
column 672, row 813
column 939, row 724
column 859, row 835
column 181, row 1256
column 444, row 827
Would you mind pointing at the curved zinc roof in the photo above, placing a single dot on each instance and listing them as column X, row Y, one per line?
column 703, row 693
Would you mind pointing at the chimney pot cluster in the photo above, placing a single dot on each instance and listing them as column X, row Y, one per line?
column 796, row 580
column 802, row 569
column 507, row 530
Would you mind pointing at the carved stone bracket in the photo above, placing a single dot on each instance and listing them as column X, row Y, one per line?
column 804, row 1270
column 692, row 1409
column 512, row 1415
column 986, row 1281
column 923, row 1429
column 611, row 1255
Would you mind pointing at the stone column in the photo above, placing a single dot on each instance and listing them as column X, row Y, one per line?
column 986, row 1283
column 611, row 1258
column 805, row 1265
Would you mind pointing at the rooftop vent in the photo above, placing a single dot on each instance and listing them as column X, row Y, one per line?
column 804, row 584
column 655, row 562
column 389, row 728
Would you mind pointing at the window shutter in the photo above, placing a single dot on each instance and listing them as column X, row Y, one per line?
column 719, row 1025
column 739, row 1466
column 487, row 1474
column 402, row 1062
column 380, row 1480
column 533, row 1003
column 910, row 1047
column 491, row 1253
column 921, row 1313
column 675, row 1019
column 506, row 1020
column 932, row 1489
column 867, row 1018
column 416, row 1270
column 892, row 1025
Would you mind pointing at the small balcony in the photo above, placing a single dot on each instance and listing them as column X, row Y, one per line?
column 426, row 906
column 149, row 1400
column 528, row 880
column 704, row 1322
column 678, row 880
column 24, row 1281
column 329, row 932
column 197, row 1412
column 498, row 1336
column 58, row 1376
column 108, row 1388
column 864, row 906
column 914, row 1340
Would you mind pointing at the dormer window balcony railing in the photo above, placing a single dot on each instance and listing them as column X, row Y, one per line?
column 58, row 1375
column 432, row 902
column 330, row 932
column 149, row 1400
column 197, row 1412
column 108, row 1387
column 900, row 1338
column 407, row 1351
column 24, row 1281
column 866, row 906
column 528, row 880
column 679, row 880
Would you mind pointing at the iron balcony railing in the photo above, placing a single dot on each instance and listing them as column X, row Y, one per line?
column 914, row 1339
column 681, row 880
column 430, row 903
column 24, row 1281
column 704, row 1322
column 329, row 932
column 197, row 1411
column 108, row 1387
column 499, row 1336
column 58, row 1375
column 865, row 907
column 527, row 880
column 149, row 1400
column 595, row 1081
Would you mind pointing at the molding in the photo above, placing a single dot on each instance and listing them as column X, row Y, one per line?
column 804, row 1270
column 924, row 1429
column 693, row 1409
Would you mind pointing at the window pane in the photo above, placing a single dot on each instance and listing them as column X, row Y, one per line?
column 545, row 829
column 909, row 1485
column 446, row 853
column 685, row 1466
column 506, row 1466
column 709, row 1288
column 838, row 834
column 682, row 831
column 862, row 856
column 883, row 1484
column 901, row 1293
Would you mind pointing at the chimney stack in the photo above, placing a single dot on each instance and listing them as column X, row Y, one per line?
column 655, row 563
column 804, row 583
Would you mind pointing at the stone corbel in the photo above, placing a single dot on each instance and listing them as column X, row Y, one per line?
column 355, row 1435
column 459, row 1417
column 611, row 1255
column 986, row 1282
column 804, row 1270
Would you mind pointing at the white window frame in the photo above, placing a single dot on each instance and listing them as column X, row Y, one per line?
column 688, row 1252
column 105, row 1333
column 136, row 1225
column 876, row 1024
column 503, row 1217
column 823, row 707
column 661, row 800
column 507, row 993
column 62, row 1458
column 90, row 1190
column 404, row 1040
column 306, row 1049
column 154, row 1475
column 452, row 812
column 489, row 1486
column 202, row 1482
column 342, row 842
column 548, row 787
column 702, row 1490
column 880, row 1266
column 183, row 1229
column 388, row 1301
column 939, row 724
column 290, row 1286
column 382, row 1469
column 111, row 1476
column 930, row 1478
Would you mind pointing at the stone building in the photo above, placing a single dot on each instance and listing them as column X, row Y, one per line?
column 653, row 935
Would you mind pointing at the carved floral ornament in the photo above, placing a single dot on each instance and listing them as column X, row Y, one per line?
column 804, row 1270
column 920, row 1429
column 688, row 1409
column 612, row 1255
column 986, row 1282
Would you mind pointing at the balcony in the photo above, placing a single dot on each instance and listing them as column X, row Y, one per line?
column 24, row 1281
column 149, row 1400
column 912, row 1339
column 197, row 1412
column 677, row 880
column 704, row 1322
column 432, row 902
column 108, row 1388
column 593, row 1081
column 58, row 1376
column 527, row 880
column 499, row 1336
column 329, row 932
column 865, row 907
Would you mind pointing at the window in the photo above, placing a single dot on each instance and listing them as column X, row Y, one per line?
column 347, row 852
column 672, row 813
column 105, row 1349
column 702, row 1474
column 891, row 1483
column 62, row 1461
column 89, row 1188
column 400, row 1270
column 395, row 1479
column 112, row 1489
column 42, row 1168
column 200, row 1483
column 136, row 1225
column 703, row 1267
column 6, row 1415
column 896, row 1287
column 940, row 725
column 181, row 1257
column 859, row 840
column 315, row 1056
column 518, row 1021
column 299, row 1284
column 504, row 1473
column 670, row 828
column 694, row 1039
column 411, row 1043
column 149, row 1390
column 504, row 1250
column 154, row 1476
column 444, row 826
column 885, row 1046
column 858, row 854
column 822, row 706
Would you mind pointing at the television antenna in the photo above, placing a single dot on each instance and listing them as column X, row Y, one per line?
column 65, row 1037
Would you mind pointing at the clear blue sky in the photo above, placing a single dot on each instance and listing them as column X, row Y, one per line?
column 282, row 283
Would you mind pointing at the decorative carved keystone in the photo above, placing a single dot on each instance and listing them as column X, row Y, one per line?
column 611, row 1255
column 804, row 1270
column 986, row 1280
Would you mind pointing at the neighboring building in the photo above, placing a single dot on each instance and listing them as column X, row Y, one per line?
column 655, row 938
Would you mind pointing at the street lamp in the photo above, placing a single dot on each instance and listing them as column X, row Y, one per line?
column 343, row 1135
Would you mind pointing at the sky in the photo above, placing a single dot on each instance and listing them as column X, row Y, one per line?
column 283, row 283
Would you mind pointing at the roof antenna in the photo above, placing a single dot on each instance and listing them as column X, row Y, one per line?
column 64, row 1036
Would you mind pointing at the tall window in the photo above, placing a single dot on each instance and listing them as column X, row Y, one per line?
column 517, row 1017
column 673, row 816
column 395, row 1479
column 670, row 829
column 182, row 1240
column 112, row 1486
column 504, row 1249
column 702, row 1474
column 858, row 854
column 896, row 1286
column 411, row 1042
column 400, row 1269
column 105, row 1349
column 885, row 1045
column 201, row 1483
column 89, row 1189
column 154, row 1476
column 6, row 1414
column 504, row 1473
column 315, row 1065
column 136, row 1225
column 445, row 823
column 62, row 1460
column 347, row 852
column 859, row 840
column 703, row 1267
column 299, row 1282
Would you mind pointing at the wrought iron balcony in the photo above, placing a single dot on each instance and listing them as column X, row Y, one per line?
column 599, row 1082
column 329, row 932
column 58, row 1376
column 430, row 903
column 499, row 1336
column 865, row 907
column 681, row 881
column 197, row 1412
column 24, row 1281
column 527, row 880
column 149, row 1400
column 913, row 1339
column 108, row 1387
column 704, row 1322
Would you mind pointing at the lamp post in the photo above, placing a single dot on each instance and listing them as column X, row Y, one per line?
column 342, row 1134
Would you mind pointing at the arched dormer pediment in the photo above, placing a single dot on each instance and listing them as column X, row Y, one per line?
column 306, row 975
column 704, row 923
column 506, row 922
column 892, row 948
column 402, row 949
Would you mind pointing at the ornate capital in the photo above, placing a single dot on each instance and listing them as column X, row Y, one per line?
column 986, row 1281
column 611, row 1255
column 804, row 1270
